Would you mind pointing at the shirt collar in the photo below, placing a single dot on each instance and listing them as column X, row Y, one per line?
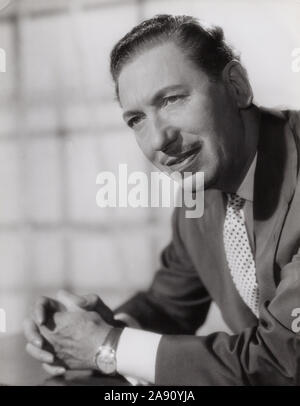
column 247, row 186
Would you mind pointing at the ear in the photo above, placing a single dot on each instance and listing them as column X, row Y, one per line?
column 236, row 79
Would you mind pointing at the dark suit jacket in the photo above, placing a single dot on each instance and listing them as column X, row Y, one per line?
column 194, row 272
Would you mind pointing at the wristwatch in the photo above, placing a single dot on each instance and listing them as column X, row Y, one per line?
column 105, row 358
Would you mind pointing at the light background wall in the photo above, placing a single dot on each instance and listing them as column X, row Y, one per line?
column 60, row 127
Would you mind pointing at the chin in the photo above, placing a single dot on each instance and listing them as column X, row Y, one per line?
column 194, row 183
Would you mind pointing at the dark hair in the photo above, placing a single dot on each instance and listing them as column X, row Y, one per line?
column 206, row 47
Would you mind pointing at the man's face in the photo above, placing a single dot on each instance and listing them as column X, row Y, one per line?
column 183, row 122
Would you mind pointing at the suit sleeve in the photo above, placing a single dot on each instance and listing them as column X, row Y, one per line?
column 176, row 302
column 268, row 354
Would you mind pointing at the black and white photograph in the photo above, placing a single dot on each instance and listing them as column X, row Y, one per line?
column 150, row 195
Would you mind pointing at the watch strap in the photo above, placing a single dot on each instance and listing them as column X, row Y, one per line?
column 112, row 338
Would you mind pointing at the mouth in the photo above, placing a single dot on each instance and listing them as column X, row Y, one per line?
column 183, row 161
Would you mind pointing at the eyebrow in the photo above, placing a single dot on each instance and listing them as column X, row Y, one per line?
column 157, row 96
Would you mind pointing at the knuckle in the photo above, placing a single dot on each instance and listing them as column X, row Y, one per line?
column 92, row 298
column 31, row 350
column 41, row 301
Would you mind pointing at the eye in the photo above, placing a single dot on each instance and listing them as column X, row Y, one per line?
column 134, row 121
column 171, row 99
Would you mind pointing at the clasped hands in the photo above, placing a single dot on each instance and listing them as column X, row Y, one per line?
column 66, row 333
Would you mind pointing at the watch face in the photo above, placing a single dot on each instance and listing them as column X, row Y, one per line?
column 106, row 360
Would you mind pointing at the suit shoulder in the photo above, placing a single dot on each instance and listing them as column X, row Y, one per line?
column 281, row 114
column 290, row 118
column 294, row 121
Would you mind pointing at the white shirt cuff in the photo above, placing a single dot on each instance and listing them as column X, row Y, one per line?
column 136, row 354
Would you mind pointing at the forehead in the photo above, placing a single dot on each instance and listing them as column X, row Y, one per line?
column 156, row 68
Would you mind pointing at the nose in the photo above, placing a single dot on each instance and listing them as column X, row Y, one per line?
column 164, row 135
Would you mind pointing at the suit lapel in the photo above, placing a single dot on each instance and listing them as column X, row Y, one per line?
column 274, row 185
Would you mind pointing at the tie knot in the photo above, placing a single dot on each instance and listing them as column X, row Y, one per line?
column 235, row 201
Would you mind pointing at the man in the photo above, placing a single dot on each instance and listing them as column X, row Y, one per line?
column 189, row 102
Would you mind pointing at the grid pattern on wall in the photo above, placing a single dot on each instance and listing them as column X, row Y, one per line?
column 60, row 127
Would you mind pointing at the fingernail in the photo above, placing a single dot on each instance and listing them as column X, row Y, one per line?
column 49, row 359
column 37, row 342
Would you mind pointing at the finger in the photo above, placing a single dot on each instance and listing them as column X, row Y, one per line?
column 39, row 310
column 39, row 354
column 48, row 334
column 32, row 333
column 70, row 300
column 94, row 303
column 44, row 309
column 91, row 300
column 54, row 370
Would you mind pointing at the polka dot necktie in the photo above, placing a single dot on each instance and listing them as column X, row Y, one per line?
column 238, row 253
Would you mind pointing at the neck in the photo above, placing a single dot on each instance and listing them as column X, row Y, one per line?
column 239, row 168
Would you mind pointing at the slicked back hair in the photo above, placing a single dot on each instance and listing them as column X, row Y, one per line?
column 204, row 46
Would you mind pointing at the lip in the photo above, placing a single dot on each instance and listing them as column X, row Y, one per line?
column 184, row 160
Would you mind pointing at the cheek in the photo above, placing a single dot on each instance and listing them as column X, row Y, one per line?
column 145, row 147
column 199, row 118
column 211, row 151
